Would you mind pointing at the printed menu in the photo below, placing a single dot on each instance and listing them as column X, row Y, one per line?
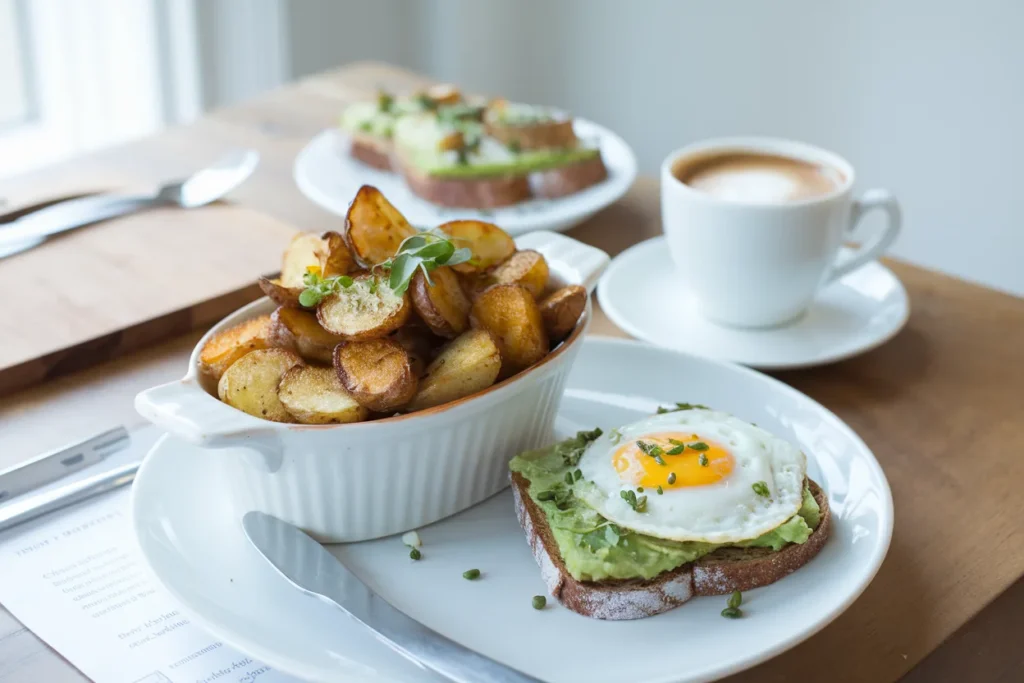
column 76, row 579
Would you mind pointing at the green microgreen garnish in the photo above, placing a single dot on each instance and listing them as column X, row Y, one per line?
column 732, row 611
column 572, row 449
column 660, row 460
column 539, row 601
column 671, row 478
column 681, row 406
column 606, row 535
column 415, row 553
column 578, row 474
column 385, row 101
column 569, row 478
column 638, row 503
column 761, row 489
column 703, row 460
column 651, row 449
column 318, row 287
column 424, row 251
column 425, row 101
column 514, row 146
column 736, row 599
column 615, row 436
column 471, row 574
column 639, row 489
column 546, row 495
column 676, row 450
column 365, row 126
column 660, row 490
column 699, row 446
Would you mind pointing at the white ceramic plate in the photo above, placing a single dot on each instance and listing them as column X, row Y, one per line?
column 186, row 516
column 327, row 175
column 641, row 294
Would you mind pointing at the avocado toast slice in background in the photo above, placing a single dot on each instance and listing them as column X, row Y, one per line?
column 620, row 574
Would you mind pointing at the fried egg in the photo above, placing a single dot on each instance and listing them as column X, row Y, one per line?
column 730, row 482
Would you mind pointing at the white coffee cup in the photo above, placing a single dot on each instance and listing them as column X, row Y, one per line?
column 756, row 263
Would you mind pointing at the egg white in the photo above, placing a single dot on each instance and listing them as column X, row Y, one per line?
column 726, row 511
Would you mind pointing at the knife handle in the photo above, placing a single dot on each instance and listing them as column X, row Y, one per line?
column 68, row 215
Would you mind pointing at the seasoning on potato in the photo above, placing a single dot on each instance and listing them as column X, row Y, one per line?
column 377, row 373
column 561, row 310
column 221, row 350
column 250, row 384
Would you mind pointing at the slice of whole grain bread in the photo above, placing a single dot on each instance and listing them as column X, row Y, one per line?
column 720, row 573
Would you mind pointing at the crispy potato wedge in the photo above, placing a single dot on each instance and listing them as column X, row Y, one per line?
column 302, row 252
column 374, row 228
column 250, row 384
column 443, row 305
column 510, row 313
column 368, row 309
column 377, row 372
column 468, row 364
column 527, row 268
column 490, row 244
column 561, row 310
column 315, row 396
column 223, row 349
column 474, row 283
column 335, row 256
column 420, row 343
column 281, row 295
column 301, row 331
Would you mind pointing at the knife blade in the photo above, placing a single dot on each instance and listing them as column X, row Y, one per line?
column 57, row 464
column 310, row 568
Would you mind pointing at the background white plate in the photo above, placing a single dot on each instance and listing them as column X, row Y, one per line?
column 186, row 517
column 326, row 174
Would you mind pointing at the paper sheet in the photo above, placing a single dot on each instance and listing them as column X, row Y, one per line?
column 76, row 579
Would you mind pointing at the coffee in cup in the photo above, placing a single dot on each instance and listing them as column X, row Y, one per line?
column 755, row 177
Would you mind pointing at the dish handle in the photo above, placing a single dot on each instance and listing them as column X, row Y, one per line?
column 571, row 261
column 186, row 411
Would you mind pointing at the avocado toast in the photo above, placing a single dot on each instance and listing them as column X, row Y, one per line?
column 608, row 570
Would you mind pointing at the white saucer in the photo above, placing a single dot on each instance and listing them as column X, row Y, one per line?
column 640, row 293
column 186, row 514
column 326, row 174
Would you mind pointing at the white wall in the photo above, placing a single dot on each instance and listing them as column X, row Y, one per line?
column 925, row 97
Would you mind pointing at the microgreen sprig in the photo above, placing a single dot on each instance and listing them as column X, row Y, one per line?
column 318, row 287
column 424, row 251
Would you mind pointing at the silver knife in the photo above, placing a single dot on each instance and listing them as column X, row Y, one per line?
column 49, row 467
column 313, row 570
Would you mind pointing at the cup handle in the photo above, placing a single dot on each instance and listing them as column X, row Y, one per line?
column 871, row 199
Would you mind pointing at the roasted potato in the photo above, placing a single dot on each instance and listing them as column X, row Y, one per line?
column 442, row 305
column 302, row 253
column 301, row 331
column 468, row 364
column 510, row 313
column 490, row 244
column 250, row 384
column 527, row 268
column 420, row 343
column 377, row 372
column 335, row 256
column 561, row 310
column 315, row 396
column 281, row 295
column 368, row 309
column 474, row 283
column 223, row 349
column 374, row 229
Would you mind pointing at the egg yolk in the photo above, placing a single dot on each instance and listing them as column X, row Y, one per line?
column 641, row 465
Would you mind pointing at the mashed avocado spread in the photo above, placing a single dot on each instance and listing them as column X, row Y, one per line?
column 594, row 549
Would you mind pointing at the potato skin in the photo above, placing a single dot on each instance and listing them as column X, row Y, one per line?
column 301, row 253
column 362, row 312
column 250, row 384
column 314, row 395
column 224, row 348
column 377, row 373
column 420, row 343
column 300, row 330
column 279, row 294
column 335, row 256
column 374, row 228
column 443, row 305
column 513, row 319
column 468, row 364
column 561, row 310
column 490, row 244
column 527, row 268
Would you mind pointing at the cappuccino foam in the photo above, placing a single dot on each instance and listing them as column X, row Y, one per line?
column 757, row 178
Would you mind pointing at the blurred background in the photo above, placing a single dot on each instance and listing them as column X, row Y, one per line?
column 924, row 97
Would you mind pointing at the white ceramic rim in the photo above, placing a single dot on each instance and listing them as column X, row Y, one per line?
column 759, row 145
column 886, row 522
column 554, row 214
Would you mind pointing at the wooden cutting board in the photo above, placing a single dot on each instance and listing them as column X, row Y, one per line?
column 102, row 291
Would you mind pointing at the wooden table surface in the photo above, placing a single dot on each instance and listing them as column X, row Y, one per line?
column 941, row 405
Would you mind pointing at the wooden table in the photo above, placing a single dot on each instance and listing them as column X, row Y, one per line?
column 941, row 405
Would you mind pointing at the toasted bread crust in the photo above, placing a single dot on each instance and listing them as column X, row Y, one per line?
column 565, row 180
column 372, row 151
column 719, row 573
column 471, row 193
